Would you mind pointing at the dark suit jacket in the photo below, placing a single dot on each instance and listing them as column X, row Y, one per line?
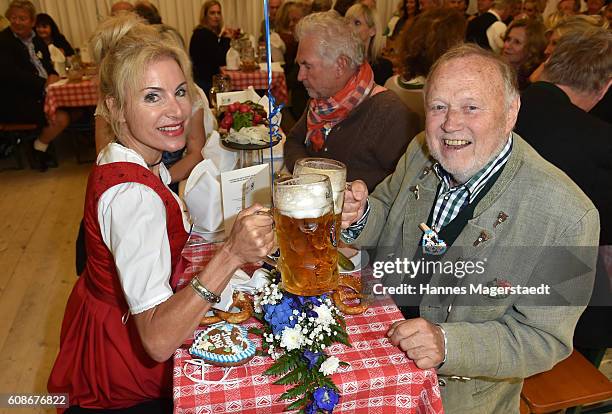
column 23, row 89
column 581, row 145
column 207, row 53
column 573, row 140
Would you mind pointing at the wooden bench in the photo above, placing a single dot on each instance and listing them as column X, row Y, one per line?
column 572, row 382
column 13, row 134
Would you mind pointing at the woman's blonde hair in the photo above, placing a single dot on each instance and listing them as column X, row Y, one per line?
column 109, row 32
column 124, row 66
column 372, row 19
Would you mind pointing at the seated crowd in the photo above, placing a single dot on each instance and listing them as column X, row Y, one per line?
column 492, row 129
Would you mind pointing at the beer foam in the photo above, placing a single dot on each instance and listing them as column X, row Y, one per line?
column 303, row 201
column 337, row 177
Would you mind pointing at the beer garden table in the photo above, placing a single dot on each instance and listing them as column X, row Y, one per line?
column 71, row 94
column 380, row 379
column 259, row 80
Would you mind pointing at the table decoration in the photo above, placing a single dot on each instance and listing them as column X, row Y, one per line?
column 296, row 331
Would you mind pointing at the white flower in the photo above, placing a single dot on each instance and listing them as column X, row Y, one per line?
column 325, row 317
column 292, row 338
column 330, row 365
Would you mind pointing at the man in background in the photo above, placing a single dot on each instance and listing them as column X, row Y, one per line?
column 487, row 30
column 554, row 119
column 349, row 117
column 25, row 72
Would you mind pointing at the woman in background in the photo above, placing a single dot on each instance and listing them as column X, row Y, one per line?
column 209, row 44
column 47, row 30
column 125, row 317
column 432, row 34
column 367, row 25
column 524, row 44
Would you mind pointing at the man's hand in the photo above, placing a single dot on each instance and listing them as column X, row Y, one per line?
column 355, row 197
column 422, row 341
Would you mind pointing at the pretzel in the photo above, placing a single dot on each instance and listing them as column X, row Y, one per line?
column 349, row 290
column 242, row 302
column 350, row 282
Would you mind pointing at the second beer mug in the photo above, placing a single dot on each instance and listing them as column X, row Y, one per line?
column 306, row 234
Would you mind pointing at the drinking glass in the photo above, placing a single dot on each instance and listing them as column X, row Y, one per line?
column 305, row 232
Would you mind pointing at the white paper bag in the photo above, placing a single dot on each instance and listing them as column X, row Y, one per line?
column 232, row 59
column 223, row 158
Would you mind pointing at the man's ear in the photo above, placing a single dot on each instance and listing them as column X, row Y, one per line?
column 512, row 115
column 116, row 113
column 602, row 92
column 342, row 65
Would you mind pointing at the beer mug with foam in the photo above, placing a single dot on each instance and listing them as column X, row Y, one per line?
column 335, row 170
column 306, row 234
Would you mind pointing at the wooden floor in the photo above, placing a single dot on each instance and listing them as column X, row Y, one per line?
column 40, row 217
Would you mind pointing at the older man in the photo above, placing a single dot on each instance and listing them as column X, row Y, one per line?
column 25, row 72
column 497, row 204
column 349, row 118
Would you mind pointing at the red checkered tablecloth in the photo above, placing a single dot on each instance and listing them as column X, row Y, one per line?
column 71, row 94
column 380, row 379
column 259, row 80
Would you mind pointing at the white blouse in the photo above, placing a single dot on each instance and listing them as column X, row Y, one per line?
column 132, row 220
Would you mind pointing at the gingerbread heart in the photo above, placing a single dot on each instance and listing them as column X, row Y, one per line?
column 223, row 344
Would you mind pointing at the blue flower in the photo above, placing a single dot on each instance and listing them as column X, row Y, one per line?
column 325, row 398
column 312, row 358
column 311, row 408
column 278, row 315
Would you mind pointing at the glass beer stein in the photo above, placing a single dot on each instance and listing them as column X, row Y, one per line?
column 306, row 234
column 335, row 170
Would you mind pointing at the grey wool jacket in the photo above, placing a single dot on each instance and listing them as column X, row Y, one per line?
column 495, row 342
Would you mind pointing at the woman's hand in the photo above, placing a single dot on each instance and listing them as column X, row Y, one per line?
column 355, row 197
column 252, row 236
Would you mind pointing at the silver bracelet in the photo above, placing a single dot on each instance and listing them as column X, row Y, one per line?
column 206, row 294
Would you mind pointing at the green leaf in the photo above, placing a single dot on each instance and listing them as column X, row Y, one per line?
column 344, row 364
column 283, row 365
column 294, row 392
column 256, row 331
column 293, row 377
column 298, row 404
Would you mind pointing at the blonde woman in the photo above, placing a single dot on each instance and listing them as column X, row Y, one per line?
column 366, row 23
column 124, row 318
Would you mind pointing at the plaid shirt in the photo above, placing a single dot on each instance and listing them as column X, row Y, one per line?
column 451, row 200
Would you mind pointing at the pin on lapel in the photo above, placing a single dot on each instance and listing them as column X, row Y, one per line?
column 415, row 190
column 501, row 217
column 424, row 173
column 483, row 237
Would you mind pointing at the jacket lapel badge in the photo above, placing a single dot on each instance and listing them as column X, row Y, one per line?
column 483, row 237
column 501, row 217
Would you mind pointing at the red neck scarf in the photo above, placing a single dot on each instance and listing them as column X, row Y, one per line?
column 325, row 113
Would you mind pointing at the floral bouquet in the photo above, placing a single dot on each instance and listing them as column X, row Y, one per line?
column 297, row 329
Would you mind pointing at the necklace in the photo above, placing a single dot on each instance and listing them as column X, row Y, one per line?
column 154, row 164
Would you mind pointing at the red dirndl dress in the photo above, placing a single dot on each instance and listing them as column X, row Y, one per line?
column 101, row 361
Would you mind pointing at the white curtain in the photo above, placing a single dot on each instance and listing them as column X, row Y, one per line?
column 78, row 19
